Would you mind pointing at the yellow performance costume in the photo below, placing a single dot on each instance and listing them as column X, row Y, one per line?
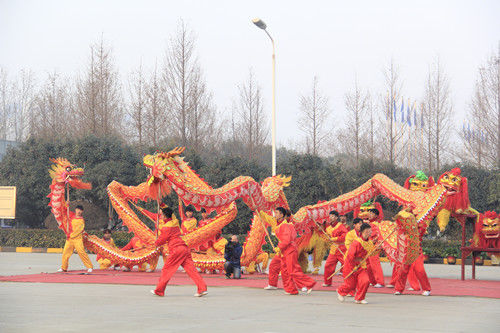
column 188, row 225
column 75, row 242
column 105, row 263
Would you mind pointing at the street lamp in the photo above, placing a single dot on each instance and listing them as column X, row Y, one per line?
column 259, row 23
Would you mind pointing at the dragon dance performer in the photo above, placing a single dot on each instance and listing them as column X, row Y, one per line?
column 414, row 273
column 105, row 263
column 375, row 271
column 355, row 268
column 74, row 241
column 204, row 218
column 178, row 255
column 276, row 261
column 337, row 232
column 278, row 264
column 353, row 234
column 136, row 244
column 290, row 267
column 188, row 221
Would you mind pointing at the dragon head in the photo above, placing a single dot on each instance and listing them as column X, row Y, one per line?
column 363, row 211
column 419, row 182
column 158, row 164
column 489, row 225
column 272, row 188
column 62, row 171
column 457, row 190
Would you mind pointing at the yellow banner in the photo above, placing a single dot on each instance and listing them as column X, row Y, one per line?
column 7, row 202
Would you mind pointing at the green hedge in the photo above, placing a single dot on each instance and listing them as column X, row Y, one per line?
column 55, row 238
column 436, row 248
column 49, row 238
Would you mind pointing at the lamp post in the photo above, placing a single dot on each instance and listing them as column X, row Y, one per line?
column 259, row 23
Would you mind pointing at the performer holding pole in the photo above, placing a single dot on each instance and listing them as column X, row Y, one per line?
column 290, row 267
column 275, row 265
column 337, row 232
column 355, row 267
column 179, row 255
column 74, row 241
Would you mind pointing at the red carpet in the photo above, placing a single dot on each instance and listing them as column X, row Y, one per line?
column 440, row 287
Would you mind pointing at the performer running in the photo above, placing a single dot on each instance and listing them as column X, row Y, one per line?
column 189, row 221
column 105, row 263
column 374, row 267
column 337, row 232
column 178, row 255
column 355, row 267
column 74, row 241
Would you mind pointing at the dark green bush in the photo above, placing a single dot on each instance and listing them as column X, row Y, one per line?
column 436, row 248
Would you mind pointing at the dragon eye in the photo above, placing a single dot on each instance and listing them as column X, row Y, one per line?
column 424, row 185
column 453, row 179
column 485, row 225
column 68, row 169
column 445, row 177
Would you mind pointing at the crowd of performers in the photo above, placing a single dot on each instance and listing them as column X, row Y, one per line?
column 355, row 251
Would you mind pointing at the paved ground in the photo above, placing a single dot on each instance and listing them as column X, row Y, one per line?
column 30, row 307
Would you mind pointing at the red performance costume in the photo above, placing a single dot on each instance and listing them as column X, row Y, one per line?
column 414, row 273
column 359, row 280
column 337, row 250
column 291, row 272
column 178, row 255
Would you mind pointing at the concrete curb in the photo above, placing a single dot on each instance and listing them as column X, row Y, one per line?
column 31, row 249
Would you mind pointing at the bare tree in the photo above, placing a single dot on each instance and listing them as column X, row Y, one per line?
column 392, row 137
column 156, row 113
column 23, row 118
column 252, row 121
column 5, row 104
column 370, row 142
column 202, row 123
column 481, row 136
column 191, row 111
column 357, row 104
column 52, row 109
column 138, row 100
column 438, row 111
column 314, row 116
column 98, row 100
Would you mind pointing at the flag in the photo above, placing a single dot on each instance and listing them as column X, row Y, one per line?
column 408, row 114
column 402, row 111
column 415, row 114
column 394, row 109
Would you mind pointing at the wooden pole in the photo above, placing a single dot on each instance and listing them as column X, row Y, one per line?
column 158, row 210
column 370, row 253
column 263, row 225
column 68, row 220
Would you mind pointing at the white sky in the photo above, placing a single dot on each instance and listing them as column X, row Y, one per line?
column 332, row 39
